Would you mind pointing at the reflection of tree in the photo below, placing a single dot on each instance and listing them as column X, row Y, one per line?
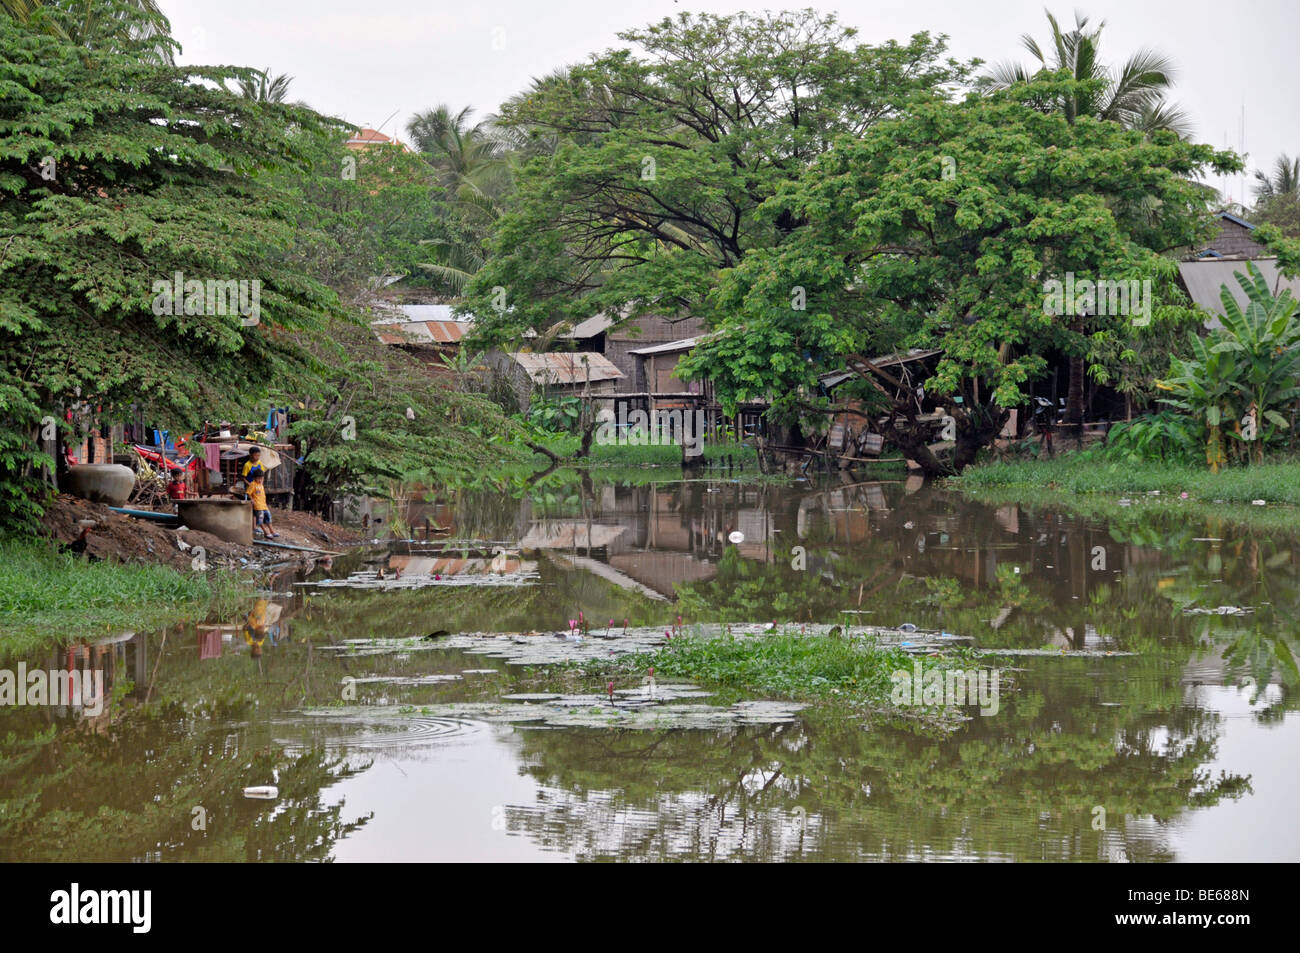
column 131, row 792
column 1022, row 785
column 543, row 606
column 1023, row 577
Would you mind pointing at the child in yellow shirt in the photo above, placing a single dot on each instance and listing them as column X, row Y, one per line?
column 261, row 512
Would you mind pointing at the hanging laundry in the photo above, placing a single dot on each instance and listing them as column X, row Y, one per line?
column 212, row 456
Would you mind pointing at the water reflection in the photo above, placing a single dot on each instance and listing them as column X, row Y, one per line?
column 1095, row 759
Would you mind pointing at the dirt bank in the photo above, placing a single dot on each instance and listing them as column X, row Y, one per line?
column 120, row 538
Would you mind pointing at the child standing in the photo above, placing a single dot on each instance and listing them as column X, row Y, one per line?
column 261, row 512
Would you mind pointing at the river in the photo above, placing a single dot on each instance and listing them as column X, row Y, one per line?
column 1155, row 721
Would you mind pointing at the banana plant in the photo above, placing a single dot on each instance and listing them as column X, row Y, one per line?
column 1245, row 373
column 1263, row 337
column 1202, row 386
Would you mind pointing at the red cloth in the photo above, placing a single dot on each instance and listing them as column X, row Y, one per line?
column 210, row 643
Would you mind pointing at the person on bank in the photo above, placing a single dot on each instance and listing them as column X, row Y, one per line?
column 261, row 512
column 252, row 465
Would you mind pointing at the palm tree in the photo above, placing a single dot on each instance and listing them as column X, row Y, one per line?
column 475, row 164
column 264, row 88
column 125, row 26
column 34, row 14
column 1277, row 196
column 473, row 156
column 1284, row 182
column 1132, row 95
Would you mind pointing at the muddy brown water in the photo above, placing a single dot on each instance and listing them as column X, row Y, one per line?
column 1156, row 722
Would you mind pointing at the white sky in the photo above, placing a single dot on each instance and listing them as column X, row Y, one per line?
column 377, row 64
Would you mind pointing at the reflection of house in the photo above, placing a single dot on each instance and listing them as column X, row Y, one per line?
column 98, row 667
column 570, row 534
column 572, row 374
column 457, row 566
column 1205, row 274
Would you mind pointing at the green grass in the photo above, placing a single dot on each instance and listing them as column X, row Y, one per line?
column 1070, row 473
column 48, row 598
column 1092, row 486
column 789, row 665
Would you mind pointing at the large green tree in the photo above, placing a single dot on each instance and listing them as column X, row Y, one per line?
column 941, row 229
column 1133, row 94
column 656, row 156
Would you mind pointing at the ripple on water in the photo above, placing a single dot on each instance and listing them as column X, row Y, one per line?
column 379, row 729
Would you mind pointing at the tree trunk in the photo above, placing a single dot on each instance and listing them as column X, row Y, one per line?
column 913, row 442
column 1074, row 397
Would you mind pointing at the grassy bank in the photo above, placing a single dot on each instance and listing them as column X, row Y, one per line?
column 1078, row 474
column 47, row 598
column 1127, row 492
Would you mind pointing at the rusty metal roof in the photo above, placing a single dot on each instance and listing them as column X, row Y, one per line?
column 422, row 332
column 566, row 368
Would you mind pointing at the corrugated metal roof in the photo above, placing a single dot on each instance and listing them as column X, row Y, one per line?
column 428, row 312
column 589, row 328
column 885, row 360
column 566, row 368
column 1204, row 278
column 1232, row 218
column 672, row 347
column 422, row 332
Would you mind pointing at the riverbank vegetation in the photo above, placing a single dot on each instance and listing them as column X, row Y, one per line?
column 1125, row 492
column 778, row 226
column 196, row 179
column 1073, row 474
column 47, row 597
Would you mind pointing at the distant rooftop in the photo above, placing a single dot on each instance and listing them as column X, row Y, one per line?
column 566, row 368
column 672, row 347
column 1206, row 278
column 419, row 324
column 363, row 138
